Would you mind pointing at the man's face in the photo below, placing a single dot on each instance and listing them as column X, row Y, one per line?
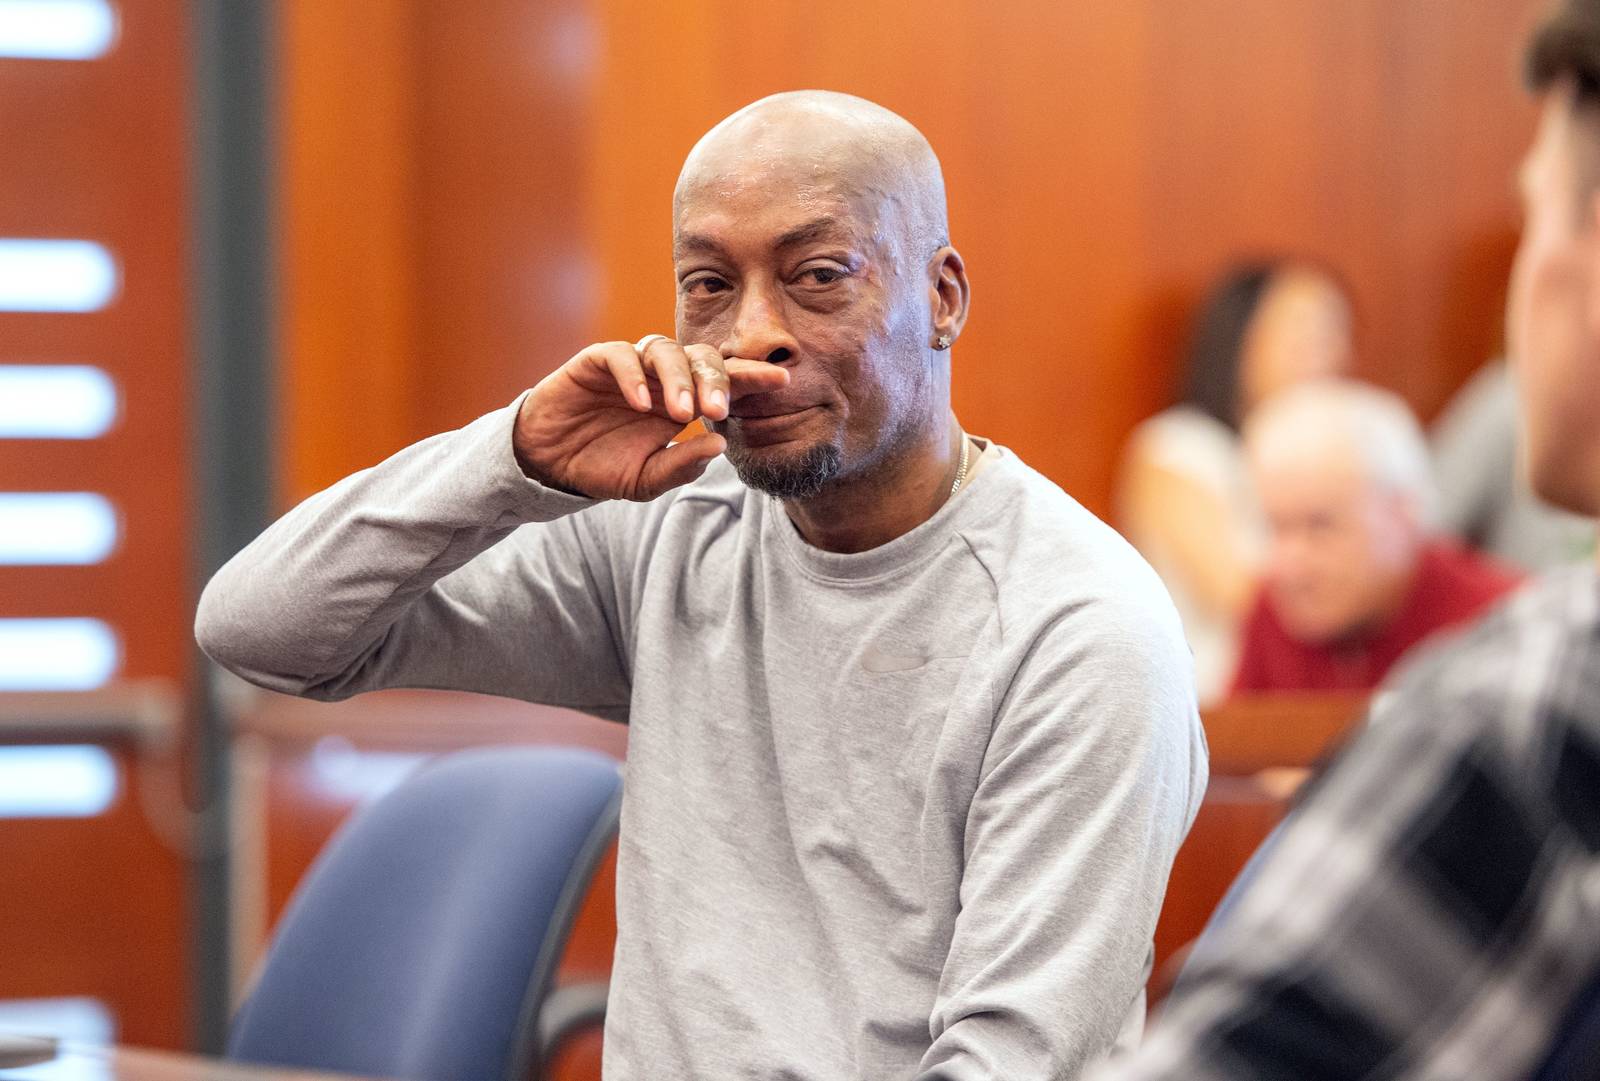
column 797, row 268
column 1342, row 549
column 1552, row 317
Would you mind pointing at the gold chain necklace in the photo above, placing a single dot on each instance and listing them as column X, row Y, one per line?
column 961, row 470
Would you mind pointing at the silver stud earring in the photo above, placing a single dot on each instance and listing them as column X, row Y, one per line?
column 942, row 342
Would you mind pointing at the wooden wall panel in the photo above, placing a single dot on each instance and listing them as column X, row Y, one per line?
column 95, row 906
column 97, row 150
column 507, row 279
column 348, row 270
column 1381, row 138
column 432, row 262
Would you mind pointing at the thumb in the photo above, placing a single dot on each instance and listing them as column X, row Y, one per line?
column 678, row 464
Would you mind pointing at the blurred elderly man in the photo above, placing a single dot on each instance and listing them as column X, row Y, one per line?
column 1430, row 911
column 913, row 737
column 1355, row 575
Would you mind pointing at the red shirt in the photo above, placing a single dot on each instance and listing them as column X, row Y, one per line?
column 1452, row 586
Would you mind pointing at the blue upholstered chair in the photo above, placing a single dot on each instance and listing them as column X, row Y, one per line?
column 422, row 943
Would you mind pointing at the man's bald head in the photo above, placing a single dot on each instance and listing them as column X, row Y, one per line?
column 846, row 144
column 1341, row 425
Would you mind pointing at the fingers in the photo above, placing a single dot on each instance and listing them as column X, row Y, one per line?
column 710, row 379
column 665, row 359
column 678, row 464
column 753, row 377
column 694, row 380
column 621, row 359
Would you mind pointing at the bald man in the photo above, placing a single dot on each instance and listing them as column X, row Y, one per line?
column 1357, row 573
column 913, row 740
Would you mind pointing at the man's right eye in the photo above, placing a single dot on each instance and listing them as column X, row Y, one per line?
column 703, row 285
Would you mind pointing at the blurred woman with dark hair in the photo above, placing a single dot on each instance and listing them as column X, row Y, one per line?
column 1183, row 498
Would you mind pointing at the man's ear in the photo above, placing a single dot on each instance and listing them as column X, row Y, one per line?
column 949, row 293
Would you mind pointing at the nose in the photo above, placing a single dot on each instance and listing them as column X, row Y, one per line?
column 759, row 330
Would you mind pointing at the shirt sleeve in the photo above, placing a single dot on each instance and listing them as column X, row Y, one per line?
column 1091, row 779
column 442, row 567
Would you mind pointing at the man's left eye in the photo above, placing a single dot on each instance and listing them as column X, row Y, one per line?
column 822, row 275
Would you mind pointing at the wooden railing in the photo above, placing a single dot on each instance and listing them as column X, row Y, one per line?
column 1262, row 748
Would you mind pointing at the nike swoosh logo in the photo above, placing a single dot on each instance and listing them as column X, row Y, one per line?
column 878, row 662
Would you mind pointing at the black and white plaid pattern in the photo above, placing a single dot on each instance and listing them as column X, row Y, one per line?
column 1433, row 909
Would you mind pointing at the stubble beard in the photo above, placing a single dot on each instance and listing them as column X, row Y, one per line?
column 800, row 475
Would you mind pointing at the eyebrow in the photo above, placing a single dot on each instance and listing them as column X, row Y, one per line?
column 816, row 229
column 684, row 243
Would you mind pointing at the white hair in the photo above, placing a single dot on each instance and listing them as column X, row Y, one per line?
column 1378, row 426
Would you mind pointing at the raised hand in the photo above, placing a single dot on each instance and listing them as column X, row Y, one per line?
column 600, row 425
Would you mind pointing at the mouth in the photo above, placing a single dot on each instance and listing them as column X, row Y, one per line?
column 764, row 424
column 763, row 407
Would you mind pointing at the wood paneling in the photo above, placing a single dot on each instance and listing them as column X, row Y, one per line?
column 1250, row 733
column 349, row 260
column 1236, row 817
column 94, row 906
column 433, row 264
column 97, row 150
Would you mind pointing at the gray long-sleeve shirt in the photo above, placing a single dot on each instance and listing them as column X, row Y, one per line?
column 903, row 813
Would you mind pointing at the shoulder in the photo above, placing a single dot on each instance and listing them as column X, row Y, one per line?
column 1186, row 441
column 1185, row 427
column 1061, row 573
column 1460, row 583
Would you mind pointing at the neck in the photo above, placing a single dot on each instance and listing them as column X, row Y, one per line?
column 861, row 513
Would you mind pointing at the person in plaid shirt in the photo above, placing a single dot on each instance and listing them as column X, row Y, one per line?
column 1432, row 910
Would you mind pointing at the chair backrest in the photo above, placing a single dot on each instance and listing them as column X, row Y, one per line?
column 422, row 942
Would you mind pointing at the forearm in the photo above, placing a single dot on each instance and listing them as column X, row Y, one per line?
column 307, row 603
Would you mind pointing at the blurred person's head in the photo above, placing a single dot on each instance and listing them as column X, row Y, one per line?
column 1344, row 479
column 1263, row 328
column 810, row 231
column 1554, row 309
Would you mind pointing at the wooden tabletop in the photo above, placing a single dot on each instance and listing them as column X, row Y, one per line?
column 1266, row 731
column 421, row 721
column 86, row 1062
